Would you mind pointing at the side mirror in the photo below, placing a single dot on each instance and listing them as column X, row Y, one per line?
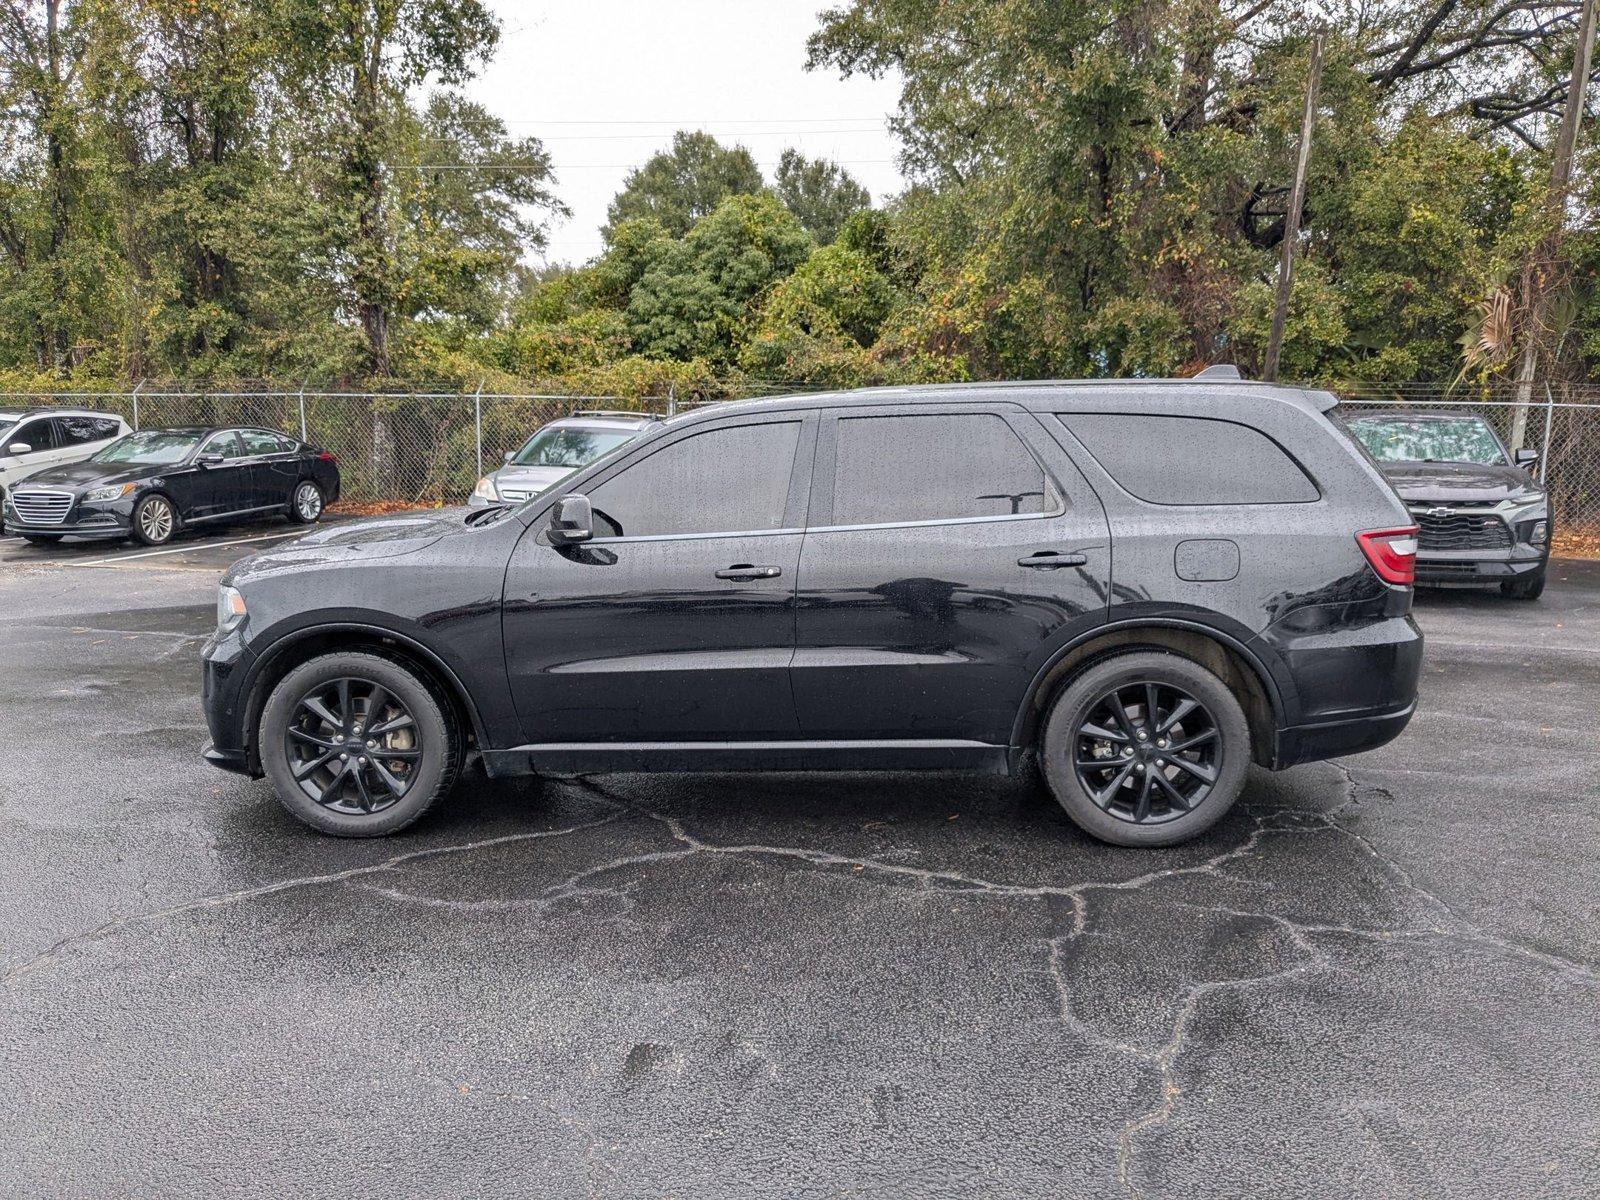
column 510, row 454
column 1526, row 458
column 19, row 448
column 572, row 521
column 210, row 460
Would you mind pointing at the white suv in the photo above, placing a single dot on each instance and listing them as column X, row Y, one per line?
column 33, row 440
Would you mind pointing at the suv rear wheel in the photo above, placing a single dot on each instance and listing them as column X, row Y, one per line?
column 1145, row 749
column 357, row 745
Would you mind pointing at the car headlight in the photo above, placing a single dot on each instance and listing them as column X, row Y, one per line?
column 231, row 610
column 102, row 495
column 485, row 489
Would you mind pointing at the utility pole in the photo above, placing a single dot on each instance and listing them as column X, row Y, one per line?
column 1536, row 289
column 1291, row 218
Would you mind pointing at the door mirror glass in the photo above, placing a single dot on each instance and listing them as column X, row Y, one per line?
column 19, row 448
column 1526, row 458
column 572, row 521
column 210, row 460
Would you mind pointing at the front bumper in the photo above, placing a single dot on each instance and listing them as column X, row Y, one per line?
column 113, row 519
column 1486, row 566
column 225, row 663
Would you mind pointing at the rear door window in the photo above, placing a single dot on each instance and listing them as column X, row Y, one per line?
column 934, row 467
column 77, row 431
column 259, row 441
column 1191, row 460
column 729, row 480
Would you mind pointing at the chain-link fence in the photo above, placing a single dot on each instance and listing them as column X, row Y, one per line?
column 421, row 447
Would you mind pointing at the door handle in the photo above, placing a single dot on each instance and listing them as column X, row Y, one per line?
column 1052, row 560
column 749, row 571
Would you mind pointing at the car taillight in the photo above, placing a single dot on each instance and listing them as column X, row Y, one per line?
column 1392, row 553
column 327, row 456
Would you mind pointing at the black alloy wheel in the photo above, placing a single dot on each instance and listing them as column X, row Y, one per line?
column 353, row 746
column 1148, row 752
column 1145, row 748
column 357, row 744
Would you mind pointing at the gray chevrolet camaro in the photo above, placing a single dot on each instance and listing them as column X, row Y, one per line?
column 556, row 451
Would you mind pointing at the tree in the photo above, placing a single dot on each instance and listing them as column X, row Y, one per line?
column 680, row 186
column 820, row 193
column 695, row 297
column 354, row 61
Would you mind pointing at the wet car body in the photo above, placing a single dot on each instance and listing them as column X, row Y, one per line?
column 814, row 647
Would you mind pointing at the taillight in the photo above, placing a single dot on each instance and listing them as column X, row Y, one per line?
column 1392, row 553
column 327, row 456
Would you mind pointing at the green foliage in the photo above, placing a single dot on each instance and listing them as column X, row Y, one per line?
column 818, row 192
column 678, row 187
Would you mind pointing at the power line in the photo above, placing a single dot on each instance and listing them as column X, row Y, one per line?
column 537, row 166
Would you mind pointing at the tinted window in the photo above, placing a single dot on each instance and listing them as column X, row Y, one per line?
column 40, row 435
column 934, row 467
column 225, row 444
column 1191, row 460
column 721, row 481
column 259, row 441
column 75, row 431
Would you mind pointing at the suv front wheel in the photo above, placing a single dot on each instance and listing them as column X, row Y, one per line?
column 1145, row 749
column 357, row 745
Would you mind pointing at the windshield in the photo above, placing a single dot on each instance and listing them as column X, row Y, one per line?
column 154, row 447
column 1429, row 439
column 571, row 447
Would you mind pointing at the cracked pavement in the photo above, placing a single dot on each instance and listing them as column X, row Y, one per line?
column 1375, row 977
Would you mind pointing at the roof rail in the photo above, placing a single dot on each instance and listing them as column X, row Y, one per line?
column 1219, row 371
column 615, row 412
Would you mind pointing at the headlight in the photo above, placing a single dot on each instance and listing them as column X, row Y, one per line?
column 102, row 495
column 485, row 489
column 230, row 609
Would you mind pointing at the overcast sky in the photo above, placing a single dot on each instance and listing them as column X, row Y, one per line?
column 604, row 83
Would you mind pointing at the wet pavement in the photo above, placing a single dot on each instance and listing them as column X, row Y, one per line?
column 1376, row 977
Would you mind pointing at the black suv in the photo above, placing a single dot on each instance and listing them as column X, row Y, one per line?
column 1152, row 585
column 1482, row 518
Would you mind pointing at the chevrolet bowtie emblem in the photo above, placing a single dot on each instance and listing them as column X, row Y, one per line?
column 1440, row 512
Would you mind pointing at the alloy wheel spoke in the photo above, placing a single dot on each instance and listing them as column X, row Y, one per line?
column 1141, row 810
column 403, row 721
column 1108, row 793
column 1100, row 764
column 402, row 755
column 321, row 711
column 325, row 743
column 396, row 786
column 1101, row 733
column 1200, row 771
column 1174, row 797
column 346, row 711
column 1179, row 711
column 362, row 790
column 1198, row 739
column 335, row 786
column 1152, row 708
column 1124, row 722
column 307, row 769
column 377, row 701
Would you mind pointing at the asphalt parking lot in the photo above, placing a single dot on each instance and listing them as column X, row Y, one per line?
column 1377, row 977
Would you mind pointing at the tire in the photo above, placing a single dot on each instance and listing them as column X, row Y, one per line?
column 306, row 503
column 1528, row 587
column 425, row 755
column 155, row 521
column 1213, row 738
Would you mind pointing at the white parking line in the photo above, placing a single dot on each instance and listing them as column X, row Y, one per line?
column 193, row 546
